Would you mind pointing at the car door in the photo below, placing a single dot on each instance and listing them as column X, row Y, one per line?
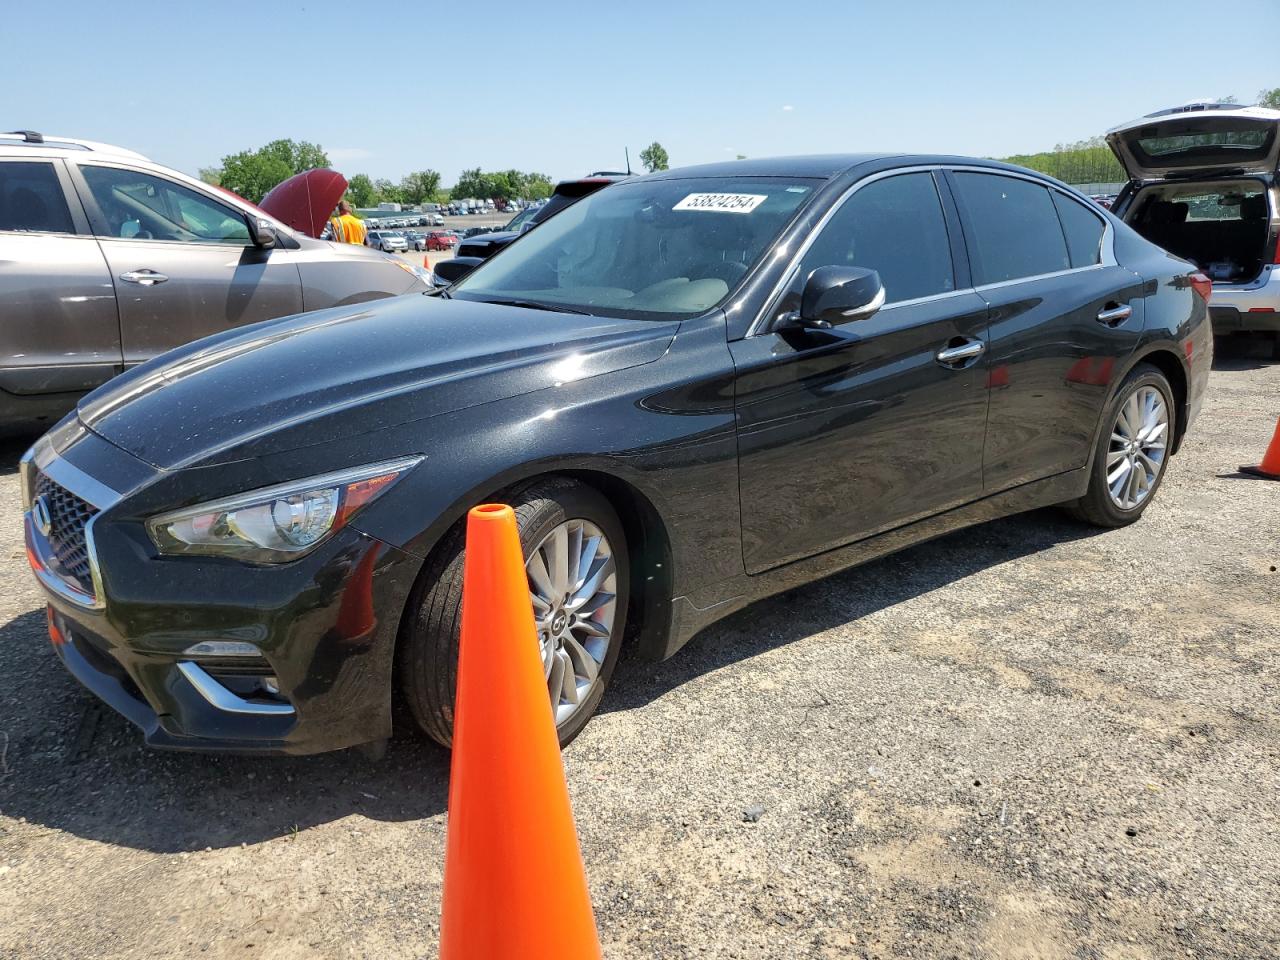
column 182, row 261
column 848, row 432
column 59, row 332
column 1064, row 315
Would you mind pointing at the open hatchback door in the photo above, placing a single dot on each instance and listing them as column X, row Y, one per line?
column 1198, row 139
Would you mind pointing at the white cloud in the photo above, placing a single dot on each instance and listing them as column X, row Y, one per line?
column 347, row 154
column 787, row 108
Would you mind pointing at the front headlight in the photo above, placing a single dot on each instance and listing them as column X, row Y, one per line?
column 275, row 524
column 419, row 272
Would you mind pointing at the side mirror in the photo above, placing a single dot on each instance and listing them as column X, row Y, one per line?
column 836, row 295
column 457, row 268
column 260, row 233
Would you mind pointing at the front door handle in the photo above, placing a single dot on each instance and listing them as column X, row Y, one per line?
column 1114, row 316
column 961, row 352
column 148, row 278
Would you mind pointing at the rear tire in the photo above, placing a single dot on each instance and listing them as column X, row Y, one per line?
column 428, row 655
column 1101, row 505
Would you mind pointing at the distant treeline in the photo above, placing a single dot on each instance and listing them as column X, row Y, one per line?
column 1089, row 161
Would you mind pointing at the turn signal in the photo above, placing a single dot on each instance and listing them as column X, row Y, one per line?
column 1202, row 285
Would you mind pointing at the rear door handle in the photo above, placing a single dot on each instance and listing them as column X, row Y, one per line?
column 1114, row 316
column 148, row 278
column 961, row 352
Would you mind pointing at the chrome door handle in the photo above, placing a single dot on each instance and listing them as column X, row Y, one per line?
column 148, row 278
column 964, row 351
column 1113, row 316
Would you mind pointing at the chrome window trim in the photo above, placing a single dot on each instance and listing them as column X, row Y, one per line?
column 1106, row 253
column 220, row 698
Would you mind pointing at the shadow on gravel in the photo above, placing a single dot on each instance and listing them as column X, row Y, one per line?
column 1245, row 351
column 71, row 764
column 12, row 447
column 844, row 598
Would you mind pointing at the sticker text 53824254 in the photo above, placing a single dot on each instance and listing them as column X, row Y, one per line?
column 722, row 202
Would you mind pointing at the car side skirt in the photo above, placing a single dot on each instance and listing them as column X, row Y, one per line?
column 691, row 614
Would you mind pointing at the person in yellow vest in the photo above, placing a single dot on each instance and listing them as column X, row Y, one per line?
column 345, row 227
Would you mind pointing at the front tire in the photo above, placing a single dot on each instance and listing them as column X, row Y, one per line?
column 578, row 573
column 1133, row 450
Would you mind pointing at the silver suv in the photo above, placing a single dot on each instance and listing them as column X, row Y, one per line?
column 1203, row 181
column 108, row 259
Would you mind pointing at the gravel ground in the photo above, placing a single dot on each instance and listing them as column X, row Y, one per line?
column 1027, row 740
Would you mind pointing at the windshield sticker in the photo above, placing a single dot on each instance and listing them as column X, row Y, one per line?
column 722, row 202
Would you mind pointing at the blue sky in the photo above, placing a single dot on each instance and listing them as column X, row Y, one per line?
column 562, row 88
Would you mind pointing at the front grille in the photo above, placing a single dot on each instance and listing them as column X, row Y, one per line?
column 68, row 515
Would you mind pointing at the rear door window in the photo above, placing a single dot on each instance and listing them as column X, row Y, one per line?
column 1083, row 229
column 31, row 199
column 1011, row 226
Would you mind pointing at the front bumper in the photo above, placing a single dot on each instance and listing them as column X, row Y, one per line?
column 215, row 655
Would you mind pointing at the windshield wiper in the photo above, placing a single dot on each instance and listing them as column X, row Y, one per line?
column 536, row 305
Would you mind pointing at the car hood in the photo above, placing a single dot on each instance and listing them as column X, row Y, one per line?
column 306, row 200
column 322, row 376
column 490, row 243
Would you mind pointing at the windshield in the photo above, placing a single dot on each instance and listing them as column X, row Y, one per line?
column 519, row 218
column 644, row 249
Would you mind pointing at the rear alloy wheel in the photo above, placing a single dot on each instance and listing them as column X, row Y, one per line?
column 576, row 564
column 1132, row 452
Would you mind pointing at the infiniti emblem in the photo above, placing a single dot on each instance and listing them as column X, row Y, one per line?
column 41, row 516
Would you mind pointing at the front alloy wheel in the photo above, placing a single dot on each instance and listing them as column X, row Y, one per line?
column 578, row 575
column 573, row 586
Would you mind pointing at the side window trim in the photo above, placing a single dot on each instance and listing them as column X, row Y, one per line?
column 79, row 223
column 1108, row 256
column 960, row 265
column 98, row 222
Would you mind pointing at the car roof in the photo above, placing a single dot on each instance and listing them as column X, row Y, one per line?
column 820, row 166
column 31, row 143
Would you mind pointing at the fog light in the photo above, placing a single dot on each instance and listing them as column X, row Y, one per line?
column 222, row 648
column 271, row 685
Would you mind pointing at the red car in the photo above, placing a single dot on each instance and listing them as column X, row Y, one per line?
column 437, row 240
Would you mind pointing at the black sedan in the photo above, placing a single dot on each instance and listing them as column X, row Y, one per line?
column 697, row 388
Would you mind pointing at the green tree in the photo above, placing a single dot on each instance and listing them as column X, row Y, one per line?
column 654, row 157
column 211, row 175
column 1269, row 98
column 361, row 191
column 537, row 186
column 252, row 173
column 387, row 192
column 471, row 183
column 420, row 187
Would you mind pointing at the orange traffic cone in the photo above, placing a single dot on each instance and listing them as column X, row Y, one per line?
column 1269, row 468
column 426, row 263
column 514, row 884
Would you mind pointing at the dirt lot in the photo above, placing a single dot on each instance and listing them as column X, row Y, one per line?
column 1028, row 740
